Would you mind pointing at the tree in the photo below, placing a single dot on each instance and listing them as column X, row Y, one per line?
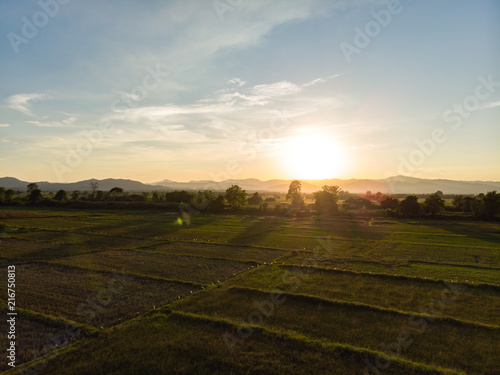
column 491, row 203
column 2, row 194
column 410, row 206
column 61, row 195
column 390, row 203
column 75, row 195
column 326, row 199
column 9, row 195
column 433, row 204
column 466, row 204
column 356, row 203
column 255, row 199
column 236, row 196
column 93, row 189
column 458, row 202
column 99, row 196
column 179, row 196
column 31, row 187
column 35, row 195
column 116, row 191
column 217, row 205
column 295, row 194
column 157, row 197
column 203, row 198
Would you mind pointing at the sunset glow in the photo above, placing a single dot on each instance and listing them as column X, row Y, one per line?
column 314, row 156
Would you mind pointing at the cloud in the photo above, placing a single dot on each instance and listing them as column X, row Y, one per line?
column 4, row 125
column 276, row 89
column 66, row 123
column 490, row 105
column 237, row 81
column 319, row 80
column 20, row 102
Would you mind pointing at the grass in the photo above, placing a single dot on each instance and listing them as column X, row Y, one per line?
column 186, row 344
column 212, row 250
column 37, row 333
column 474, row 304
column 472, row 347
column 337, row 315
column 180, row 267
column 95, row 298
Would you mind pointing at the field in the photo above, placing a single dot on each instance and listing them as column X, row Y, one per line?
column 127, row 292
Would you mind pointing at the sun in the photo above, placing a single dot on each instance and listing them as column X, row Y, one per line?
column 314, row 157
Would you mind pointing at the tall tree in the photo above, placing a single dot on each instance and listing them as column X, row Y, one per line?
column 236, row 196
column 94, row 185
column 295, row 194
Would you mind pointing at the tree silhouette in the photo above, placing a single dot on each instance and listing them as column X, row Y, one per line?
column 295, row 194
column 31, row 187
column 486, row 206
column 326, row 199
column 61, row 195
column 458, row 202
column 390, row 203
column 116, row 191
column 2, row 194
column 217, row 205
column 99, row 196
column 9, row 195
column 410, row 206
column 157, row 196
column 236, row 196
column 255, row 199
column 93, row 189
column 433, row 204
column 466, row 204
column 35, row 196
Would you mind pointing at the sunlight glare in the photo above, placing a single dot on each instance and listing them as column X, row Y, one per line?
column 314, row 156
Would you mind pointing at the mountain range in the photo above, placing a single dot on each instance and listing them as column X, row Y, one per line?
column 391, row 185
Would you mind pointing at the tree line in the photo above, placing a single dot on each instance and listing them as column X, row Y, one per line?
column 326, row 201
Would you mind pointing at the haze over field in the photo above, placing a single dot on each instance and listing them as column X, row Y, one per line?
column 203, row 90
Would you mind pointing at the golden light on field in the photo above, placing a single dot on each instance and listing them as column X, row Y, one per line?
column 314, row 156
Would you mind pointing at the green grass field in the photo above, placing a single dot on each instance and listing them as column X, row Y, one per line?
column 233, row 294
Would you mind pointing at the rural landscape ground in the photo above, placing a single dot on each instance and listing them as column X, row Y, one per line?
column 127, row 292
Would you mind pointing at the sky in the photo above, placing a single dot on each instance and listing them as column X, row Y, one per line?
column 231, row 89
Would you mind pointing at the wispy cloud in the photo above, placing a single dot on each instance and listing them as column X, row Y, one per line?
column 314, row 82
column 237, row 81
column 276, row 89
column 21, row 102
column 4, row 125
column 490, row 105
column 66, row 123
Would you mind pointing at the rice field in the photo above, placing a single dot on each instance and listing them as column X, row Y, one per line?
column 231, row 294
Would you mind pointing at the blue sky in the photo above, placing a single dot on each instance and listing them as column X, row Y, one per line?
column 192, row 90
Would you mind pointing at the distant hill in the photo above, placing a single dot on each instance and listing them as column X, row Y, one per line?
column 392, row 185
column 105, row 185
